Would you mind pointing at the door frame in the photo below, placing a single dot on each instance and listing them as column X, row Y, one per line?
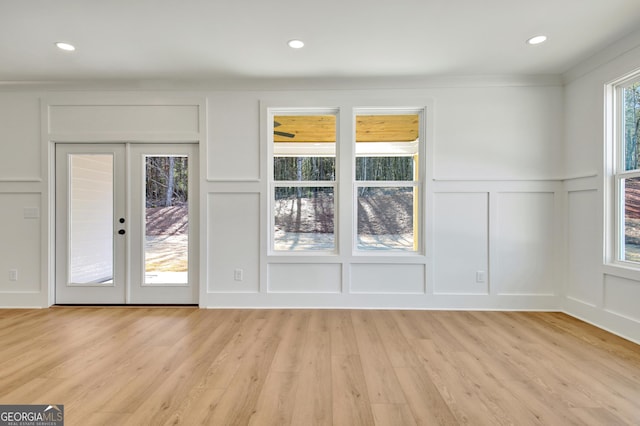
column 94, row 116
column 194, row 215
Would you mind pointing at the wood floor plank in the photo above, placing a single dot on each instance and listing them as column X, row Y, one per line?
column 168, row 366
column 277, row 398
column 223, row 367
column 313, row 404
column 610, row 372
column 440, row 334
column 122, row 345
column 559, row 358
column 471, row 337
column 288, row 356
column 545, row 408
column 522, row 361
column 395, row 344
column 382, row 383
column 499, row 401
column 319, row 321
column 596, row 338
column 26, row 393
column 392, row 415
column 459, row 393
column 414, row 324
column 153, row 381
column 238, row 403
column 424, row 399
column 49, row 347
column 598, row 416
column 201, row 409
column 107, row 419
column 351, row 404
column 343, row 337
column 189, row 356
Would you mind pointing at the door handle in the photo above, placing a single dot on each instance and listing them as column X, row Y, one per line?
column 122, row 232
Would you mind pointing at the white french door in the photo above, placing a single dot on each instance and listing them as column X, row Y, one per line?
column 126, row 224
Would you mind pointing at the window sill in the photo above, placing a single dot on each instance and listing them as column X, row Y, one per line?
column 622, row 270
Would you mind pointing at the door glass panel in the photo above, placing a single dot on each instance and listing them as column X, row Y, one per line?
column 91, row 218
column 166, row 220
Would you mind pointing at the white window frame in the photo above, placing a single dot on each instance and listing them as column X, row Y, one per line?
column 345, row 184
column 415, row 146
column 615, row 173
column 300, row 150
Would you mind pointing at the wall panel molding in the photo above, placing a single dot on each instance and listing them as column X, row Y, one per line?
column 381, row 278
column 304, row 278
column 233, row 235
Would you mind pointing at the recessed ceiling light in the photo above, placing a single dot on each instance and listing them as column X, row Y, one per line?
column 537, row 39
column 65, row 46
column 296, row 44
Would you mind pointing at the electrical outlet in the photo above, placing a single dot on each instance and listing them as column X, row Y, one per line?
column 13, row 275
column 238, row 274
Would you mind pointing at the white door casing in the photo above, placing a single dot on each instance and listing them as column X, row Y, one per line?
column 101, row 236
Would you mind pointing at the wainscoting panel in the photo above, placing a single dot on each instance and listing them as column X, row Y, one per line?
column 524, row 240
column 461, row 243
column 387, row 278
column 304, row 278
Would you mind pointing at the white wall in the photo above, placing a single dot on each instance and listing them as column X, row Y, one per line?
column 495, row 156
column 604, row 295
column 493, row 200
column 21, row 187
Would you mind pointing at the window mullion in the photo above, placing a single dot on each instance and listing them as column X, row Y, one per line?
column 387, row 183
column 305, row 183
column 629, row 174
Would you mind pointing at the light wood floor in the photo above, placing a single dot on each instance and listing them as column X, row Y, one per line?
column 157, row 366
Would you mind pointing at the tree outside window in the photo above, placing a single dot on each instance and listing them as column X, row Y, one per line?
column 382, row 177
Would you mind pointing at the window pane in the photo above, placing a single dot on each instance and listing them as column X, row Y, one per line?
column 387, row 218
column 304, row 129
column 167, row 220
column 385, row 168
column 304, row 147
column 387, row 147
column 631, row 250
column 91, row 218
column 387, row 128
column 304, row 218
column 631, row 126
column 304, row 168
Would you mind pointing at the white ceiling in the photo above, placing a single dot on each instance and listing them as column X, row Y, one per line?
column 236, row 39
